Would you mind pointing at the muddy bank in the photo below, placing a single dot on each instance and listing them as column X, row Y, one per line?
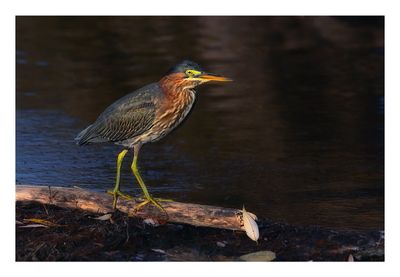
column 77, row 236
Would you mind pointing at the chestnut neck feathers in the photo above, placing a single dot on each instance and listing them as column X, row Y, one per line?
column 179, row 99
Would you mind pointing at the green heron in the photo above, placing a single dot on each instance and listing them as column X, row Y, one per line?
column 147, row 115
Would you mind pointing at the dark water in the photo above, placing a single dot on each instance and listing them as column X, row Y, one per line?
column 298, row 137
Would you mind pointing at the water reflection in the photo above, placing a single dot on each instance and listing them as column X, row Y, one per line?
column 297, row 137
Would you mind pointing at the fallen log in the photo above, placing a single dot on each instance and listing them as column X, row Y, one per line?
column 96, row 202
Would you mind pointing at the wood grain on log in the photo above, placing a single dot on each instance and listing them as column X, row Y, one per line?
column 77, row 198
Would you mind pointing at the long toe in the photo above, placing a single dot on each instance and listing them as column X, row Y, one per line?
column 120, row 194
column 164, row 200
column 153, row 201
column 140, row 206
column 116, row 195
column 125, row 196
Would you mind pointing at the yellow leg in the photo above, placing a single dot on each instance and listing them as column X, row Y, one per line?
column 116, row 192
column 147, row 196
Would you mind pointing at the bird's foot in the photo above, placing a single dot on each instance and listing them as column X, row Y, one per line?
column 154, row 201
column 116, row 194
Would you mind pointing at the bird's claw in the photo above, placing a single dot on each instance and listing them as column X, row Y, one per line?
column 153, row 201
column 116, row 194
column 120, row 194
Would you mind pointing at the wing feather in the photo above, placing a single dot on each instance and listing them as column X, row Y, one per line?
column 126, row 118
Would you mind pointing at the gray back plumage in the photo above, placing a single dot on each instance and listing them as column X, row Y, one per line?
column 128, row 117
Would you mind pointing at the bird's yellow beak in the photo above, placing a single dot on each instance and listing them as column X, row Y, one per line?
column 213, row 77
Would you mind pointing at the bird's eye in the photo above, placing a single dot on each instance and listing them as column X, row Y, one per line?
column 189, row 73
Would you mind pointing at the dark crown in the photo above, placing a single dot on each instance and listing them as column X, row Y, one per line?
column 185, row 65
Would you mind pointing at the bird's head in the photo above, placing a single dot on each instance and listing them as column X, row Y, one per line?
column 190, row 74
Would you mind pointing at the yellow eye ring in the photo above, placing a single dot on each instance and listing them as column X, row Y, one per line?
column 192, row 72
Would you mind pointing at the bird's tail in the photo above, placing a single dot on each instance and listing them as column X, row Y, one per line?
column 89, row 135
column 84, row 136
